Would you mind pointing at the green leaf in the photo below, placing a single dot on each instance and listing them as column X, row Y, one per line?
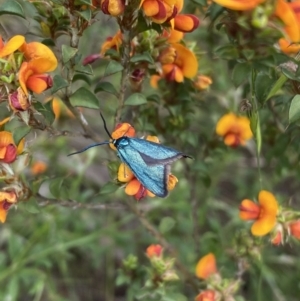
column 108, row 188
column 55, row 187
column 86, row 14
column 80, row 2
column 84, row 69
column 32, row 206
column 294, row 112
column 240, row 73
column 166, row 224
column 84, row 98
column 263, row 86
column 144, row 57
column 107, row 87
column 136, row 99
column 81, row 76
column 68, row 53
column 112, row 68
column 20, row 132
column 46, row 110
column 58, row 84
column 277, row 86
column 11, row 7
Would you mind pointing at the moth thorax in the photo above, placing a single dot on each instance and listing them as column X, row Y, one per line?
column 121, row 142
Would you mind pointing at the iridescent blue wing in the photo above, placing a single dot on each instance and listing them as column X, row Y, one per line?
column 149, row 161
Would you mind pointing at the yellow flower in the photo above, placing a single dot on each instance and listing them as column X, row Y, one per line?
column 264, row 213
column 7, row 198
column 235, row 130
column 239, row 4
column 8, row 149
column 206, row 266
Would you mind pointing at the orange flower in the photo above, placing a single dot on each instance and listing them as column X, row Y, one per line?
column 185, row 65
column 11, row 46
column 239, row 4
column 154, row 251
column 7, row 198
column 8, row 149
column 159, row 10
column 186, row 22
column 167, row 55
column 154, row 79
column 112, row 43
column 202, row 82
column 40, row 59
column 38, row 167
column 173, row 36
column 294, row 228
column 121, row 130
column 289, row 14
column 206, row 266
column 113, row 7
column 235, row 130
column 264, row 213
column 207, row 295
column 18, row 100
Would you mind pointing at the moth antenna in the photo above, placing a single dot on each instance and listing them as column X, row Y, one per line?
column 105, row 127
column 88, row 147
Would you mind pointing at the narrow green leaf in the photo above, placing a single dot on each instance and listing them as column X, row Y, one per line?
column 107, row 87
column 166, row 224
column 68, row 53
column 109, row 188
column 58, row 84
column 112, row 68
column 263, row 86
column 136, row 99
column 20, row 132
column 84, row 98
column 11, row 7
column 277, row 86
column 294, row 112
column 144, row 57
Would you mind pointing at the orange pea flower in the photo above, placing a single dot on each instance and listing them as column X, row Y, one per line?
column 8, row 149
column 32, row 73
column 159, row 10
column 289, row 14
column 38, row 167
column 185, row 22
column 206, row 266
column 239, row 4
column 113, row 7
column 154, row 251
column 112, row 43
column 207, row 295
column 184, row 65
column 294, row 228
column 202, row 82
column 235, row 129
column 264, row 213
column 7, row 198
column 11, row 46
column 172, row 36
column 121, row 130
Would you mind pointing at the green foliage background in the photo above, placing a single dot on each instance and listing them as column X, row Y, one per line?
column 70, row 243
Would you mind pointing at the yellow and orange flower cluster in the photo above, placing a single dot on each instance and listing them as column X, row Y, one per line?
column 234, row 129
column 39, row 59
column 125, row 175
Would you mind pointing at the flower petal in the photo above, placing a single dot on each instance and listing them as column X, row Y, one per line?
column 249, row 210
column 186, row 23
column 268, row 202
column 239, row 4
column 132, row 187
column 124, row 173
column 12, row 45
column 263, row 225
column 206, row 266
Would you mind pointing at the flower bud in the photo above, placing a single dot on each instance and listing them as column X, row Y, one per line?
column 154, row 251
column 18, row 100
column 294, row 228
column 207, row 295
column 202, row 82
column 113, row 7
column 167, row 56
column 91, row 59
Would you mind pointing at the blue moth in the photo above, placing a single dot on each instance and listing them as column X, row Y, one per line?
column 150, row 162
